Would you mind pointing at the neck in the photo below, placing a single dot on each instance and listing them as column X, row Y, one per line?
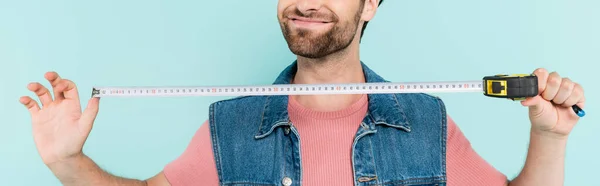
column 341, row 67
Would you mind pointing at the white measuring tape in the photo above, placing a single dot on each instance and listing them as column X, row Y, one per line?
column 292, row 89
column 300, row 89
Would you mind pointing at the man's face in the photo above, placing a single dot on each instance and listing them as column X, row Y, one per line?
column 317, row 28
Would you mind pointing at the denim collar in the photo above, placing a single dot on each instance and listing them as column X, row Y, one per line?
column 383, row 109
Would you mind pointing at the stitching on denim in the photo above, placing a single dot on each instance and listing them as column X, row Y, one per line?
column 248, row 183
column 285, row 146
column 403, row 184
column 299, row 154
column 244, row 97
column 299, row 173
column 262, row 116
column 435, row 179
column 271, row 129
column 370, row 117
column 235, row 99
column 393, row 126
column 354, row 143
column 443, row 134
column 213, row 126
column 401, row 111
column 373, row 157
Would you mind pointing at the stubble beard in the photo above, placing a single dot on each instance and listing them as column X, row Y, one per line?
column 307, row 44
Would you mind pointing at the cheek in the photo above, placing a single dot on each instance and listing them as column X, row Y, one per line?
column 282, row 5
column 344, row 9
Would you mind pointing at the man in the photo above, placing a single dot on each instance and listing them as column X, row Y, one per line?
column 385, row 139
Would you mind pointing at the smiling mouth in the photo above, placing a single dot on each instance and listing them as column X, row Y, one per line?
column 312, row 24
column 308, row 21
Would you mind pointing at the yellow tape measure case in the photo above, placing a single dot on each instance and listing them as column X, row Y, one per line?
column 515, row 87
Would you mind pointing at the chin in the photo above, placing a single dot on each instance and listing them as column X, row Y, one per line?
column 310, row 54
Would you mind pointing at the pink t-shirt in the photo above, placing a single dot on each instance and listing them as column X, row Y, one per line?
column 326, row 143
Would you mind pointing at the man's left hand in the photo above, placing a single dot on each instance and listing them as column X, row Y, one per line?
column 550, row 111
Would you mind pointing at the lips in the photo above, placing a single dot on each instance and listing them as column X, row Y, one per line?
column 308, row 20
column 310, row 23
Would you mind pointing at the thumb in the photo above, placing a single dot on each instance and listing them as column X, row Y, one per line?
column 535, row 104
column 91, row 111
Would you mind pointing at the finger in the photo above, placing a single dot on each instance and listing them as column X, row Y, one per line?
column 542, row 75
column 531, row 101
column 68, row 88
column 90, row 112
column 581, row 102
column 552, row 86
column 42, row 93
column 54, row 80
column 30, row 104
column 564, row 92
column 575, row 97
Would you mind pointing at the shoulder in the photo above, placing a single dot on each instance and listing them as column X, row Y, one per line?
column 240, row 115
column 240, row 104
column 419, row 98
column 239, row 100
column 423, row 112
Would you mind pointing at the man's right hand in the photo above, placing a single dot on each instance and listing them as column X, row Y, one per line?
column 60, row 128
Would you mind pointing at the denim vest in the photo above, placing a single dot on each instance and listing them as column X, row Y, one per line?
column 401, row 140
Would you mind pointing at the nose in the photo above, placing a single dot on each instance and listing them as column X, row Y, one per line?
column 308, row 6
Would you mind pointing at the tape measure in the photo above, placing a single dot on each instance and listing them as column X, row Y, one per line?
column 514, row 87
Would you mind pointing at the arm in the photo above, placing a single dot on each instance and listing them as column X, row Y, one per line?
column 464, row 165
column 195, row 165
column 545, row 162
column 81, row 170
column 552, row 119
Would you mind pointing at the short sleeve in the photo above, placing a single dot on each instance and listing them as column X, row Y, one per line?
column 464, row 166
column 196, row 164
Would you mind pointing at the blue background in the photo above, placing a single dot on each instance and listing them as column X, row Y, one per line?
column 171, row 43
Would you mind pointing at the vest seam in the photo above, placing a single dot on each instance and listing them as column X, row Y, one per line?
column 285, row 147
column 297, row 151
column 215, row 141
column 443, row 134
column 415, row 180
column 236, row 98
column 248, row 183
column 403, row 115
column 373, row 157
column 262, row 117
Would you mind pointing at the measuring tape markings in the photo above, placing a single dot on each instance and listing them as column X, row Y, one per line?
column 515, row 87
column 292, row 89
